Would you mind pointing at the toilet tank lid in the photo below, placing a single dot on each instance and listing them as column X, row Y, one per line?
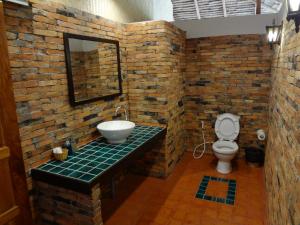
column 227, row 126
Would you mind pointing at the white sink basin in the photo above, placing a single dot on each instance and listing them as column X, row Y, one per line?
column 116, row 131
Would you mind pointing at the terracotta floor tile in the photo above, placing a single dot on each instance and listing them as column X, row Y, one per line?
column 192, row 218
column 172, row 201
column 217, row 189
column 176, row 222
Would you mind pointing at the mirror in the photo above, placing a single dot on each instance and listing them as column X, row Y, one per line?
column 93, row 68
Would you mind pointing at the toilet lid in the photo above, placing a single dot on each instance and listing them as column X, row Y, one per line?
column 227, row 126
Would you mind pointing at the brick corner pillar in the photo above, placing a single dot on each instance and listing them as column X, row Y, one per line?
column 56, row 205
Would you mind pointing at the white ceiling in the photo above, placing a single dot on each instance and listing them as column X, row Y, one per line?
column 200, row 9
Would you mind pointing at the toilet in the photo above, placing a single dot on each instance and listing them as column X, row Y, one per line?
column 227, row 128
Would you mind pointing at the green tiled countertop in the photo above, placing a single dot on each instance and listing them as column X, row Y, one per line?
column 84, row 168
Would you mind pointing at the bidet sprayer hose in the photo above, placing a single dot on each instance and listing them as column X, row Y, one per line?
column 204, row 146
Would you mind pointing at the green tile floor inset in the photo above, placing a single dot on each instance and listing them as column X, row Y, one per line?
column 97, row 156
column 230, row 197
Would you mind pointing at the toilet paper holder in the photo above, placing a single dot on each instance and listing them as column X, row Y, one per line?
column 261, row 135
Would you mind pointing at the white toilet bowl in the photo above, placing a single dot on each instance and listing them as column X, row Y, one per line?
column 225, row 152
column 227, row 128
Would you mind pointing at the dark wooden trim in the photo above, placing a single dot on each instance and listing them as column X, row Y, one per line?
column 258, row 6
column 72, row 99
column 4, row 153
column 85, row 187
column 9, row 215
column 10, row 129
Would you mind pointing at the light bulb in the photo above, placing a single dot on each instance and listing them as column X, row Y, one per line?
column 275, row 33
column 272, row 35
column 294, row 5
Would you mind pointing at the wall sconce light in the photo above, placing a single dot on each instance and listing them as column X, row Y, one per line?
column 274, row 34
column 294, row 12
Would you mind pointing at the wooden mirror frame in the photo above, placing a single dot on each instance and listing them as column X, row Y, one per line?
column 72, row 99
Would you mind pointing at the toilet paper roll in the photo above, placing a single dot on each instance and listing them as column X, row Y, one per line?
column 57, row 150
column 261, row 135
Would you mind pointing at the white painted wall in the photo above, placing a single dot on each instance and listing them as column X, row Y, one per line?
column 162, row 10
column 282, row 13
column 255, row 24
column 127, row 11
column 124, row 11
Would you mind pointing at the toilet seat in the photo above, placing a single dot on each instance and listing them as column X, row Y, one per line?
column 227, row 127
column 225, row 147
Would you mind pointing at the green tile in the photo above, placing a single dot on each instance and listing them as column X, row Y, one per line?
column 56, row 170
column 75, row 166
column 98, row 153
column 83, row 162
column 85, row 169
column 92, row 157
column 94, row 144
column 65, row 172
column 89, row 152
column 123, row 153
column 47, row 167
column 96, row 171
column 66, row 164
column 117, row 157
column 104, row 150
column 103, row 166
column 76, row 174
column 93, row 164
column 111, row 161
column 97, row 156
column 229, row 200
column 55, row 163
column 99, row 159
column 221, row 200
column 87, row 177
column 107, row 155
column 120, row 147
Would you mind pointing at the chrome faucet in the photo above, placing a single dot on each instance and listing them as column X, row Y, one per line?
column 125, row 110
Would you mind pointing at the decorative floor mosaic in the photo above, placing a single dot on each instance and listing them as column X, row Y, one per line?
column 208, row 181
column 98, row 156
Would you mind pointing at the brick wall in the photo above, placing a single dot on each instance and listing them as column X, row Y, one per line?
column 155, row 62
column 282, row 166
column 79, row 74
column 62, row 206
column 38, row 70
column 95, row 73
column 227, row 74
column 170, row 82
column 152, row 53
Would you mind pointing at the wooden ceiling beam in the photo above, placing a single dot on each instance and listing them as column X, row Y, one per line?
column 224, row 8
column 258, row 6
column 197, row 9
